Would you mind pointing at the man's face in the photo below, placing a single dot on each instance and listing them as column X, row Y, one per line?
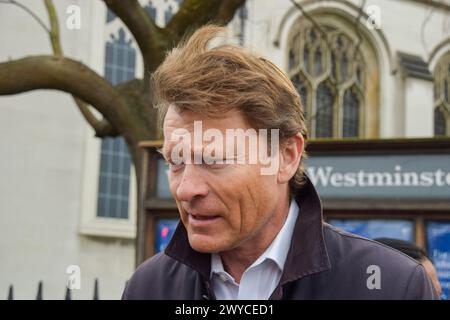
column 431, row 271
column 221, row 205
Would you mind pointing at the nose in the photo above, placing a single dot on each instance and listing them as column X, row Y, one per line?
column 192, row 184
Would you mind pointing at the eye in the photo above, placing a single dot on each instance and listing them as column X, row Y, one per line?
column 175, row 166
column 211, row 164
column 217, row 165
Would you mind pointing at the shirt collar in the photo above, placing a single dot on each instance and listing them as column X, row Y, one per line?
column 278, row 249
column 307, row 253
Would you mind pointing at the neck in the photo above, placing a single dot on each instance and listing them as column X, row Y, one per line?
column 237, row 260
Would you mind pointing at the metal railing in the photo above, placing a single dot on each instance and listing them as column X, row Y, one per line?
column 67, row 296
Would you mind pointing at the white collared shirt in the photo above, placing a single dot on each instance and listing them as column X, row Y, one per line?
column 261, row 278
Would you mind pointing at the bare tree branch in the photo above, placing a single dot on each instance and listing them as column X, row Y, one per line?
column 357, row 25
column 51, row 72
column 126, row 108
column 54, row 28
column 444, row 5
column 194, row 13
column 422, row 30
column 27, row 10
column 102, row 127
column 152, row 40
column 227, row 10
column 313, row 21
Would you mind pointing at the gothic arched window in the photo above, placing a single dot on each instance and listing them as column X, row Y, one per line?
column 115, row 160
column 350, row 121
column 324, row 111
column 328, row 69
column 441, row 97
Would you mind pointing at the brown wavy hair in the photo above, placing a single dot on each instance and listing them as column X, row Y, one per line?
column 211, row 80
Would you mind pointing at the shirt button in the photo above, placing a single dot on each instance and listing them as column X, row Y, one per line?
column 223, row 277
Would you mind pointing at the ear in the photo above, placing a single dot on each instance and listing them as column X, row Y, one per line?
column 290, row 155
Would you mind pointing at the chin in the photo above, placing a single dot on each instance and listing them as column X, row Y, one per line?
column 202, row 244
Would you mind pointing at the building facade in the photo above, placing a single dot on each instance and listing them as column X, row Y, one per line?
column 68, row 198
column 374, row 85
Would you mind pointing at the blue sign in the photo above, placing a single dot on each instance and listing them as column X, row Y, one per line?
column 381, row 176
column 371, row 229
column 438, row 237
column 164, row 231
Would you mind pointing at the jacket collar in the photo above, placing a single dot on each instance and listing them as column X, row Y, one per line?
column 307, row 253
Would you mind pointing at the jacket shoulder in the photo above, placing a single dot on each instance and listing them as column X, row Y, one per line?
column 161, row 277
column 374, row 269
column 340, row 241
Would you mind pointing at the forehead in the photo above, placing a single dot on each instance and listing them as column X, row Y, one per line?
column 230, row 119
column 191, row 126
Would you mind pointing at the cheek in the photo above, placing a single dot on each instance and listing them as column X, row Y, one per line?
column 173, row 186
column 174, row 182
column 255, row 200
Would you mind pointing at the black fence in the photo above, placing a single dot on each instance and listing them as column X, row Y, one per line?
column 67, row 296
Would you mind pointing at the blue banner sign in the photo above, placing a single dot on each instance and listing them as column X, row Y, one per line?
column 438, row 236
column 371, row 229
column 164, row 232
column 381, row 176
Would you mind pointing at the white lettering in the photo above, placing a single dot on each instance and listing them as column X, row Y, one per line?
column 439, row 174
column 336, row 179
column 379, row 179
column 350, row 179
column 426, row 179
column 326, row 176
column 192, row 310
column 374, row 280
column 213, row 152
column 74, row 19
column 319, row 174
column 410, row 179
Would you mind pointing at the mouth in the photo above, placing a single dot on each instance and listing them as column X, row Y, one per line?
column 201, row 220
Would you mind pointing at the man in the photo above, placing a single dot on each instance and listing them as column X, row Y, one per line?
column 251, row 228
column 417, row 253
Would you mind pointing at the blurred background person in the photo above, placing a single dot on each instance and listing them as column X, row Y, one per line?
column 417, row 253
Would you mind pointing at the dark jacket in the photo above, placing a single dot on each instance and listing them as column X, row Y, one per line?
column 322, row 263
